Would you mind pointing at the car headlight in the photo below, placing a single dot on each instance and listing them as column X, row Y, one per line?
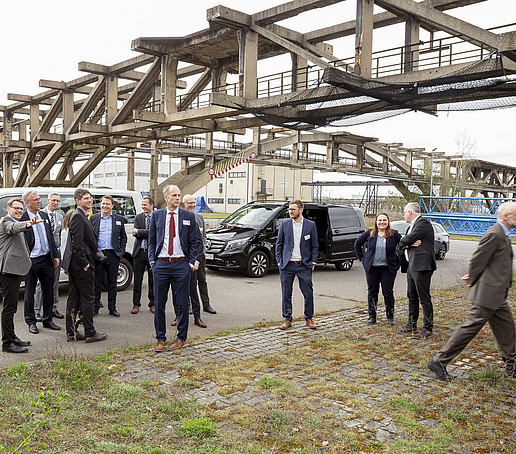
column 236, row 244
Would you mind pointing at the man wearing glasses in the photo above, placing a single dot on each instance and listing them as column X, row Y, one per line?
column 297, row 251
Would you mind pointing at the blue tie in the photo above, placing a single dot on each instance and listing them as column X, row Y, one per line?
column 42, row 238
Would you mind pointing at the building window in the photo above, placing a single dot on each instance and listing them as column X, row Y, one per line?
column 215, row 200
column 163, row 175
column 142, row 174
column 121, row 174
column 110, row 174
column 236, row 174
column 98, row 175
column 234, row 201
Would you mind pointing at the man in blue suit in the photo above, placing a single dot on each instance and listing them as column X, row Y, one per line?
column 112, row 239
column 297, row 251
column 173, row 242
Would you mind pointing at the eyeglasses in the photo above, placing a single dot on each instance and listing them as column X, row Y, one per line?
column 17, row 208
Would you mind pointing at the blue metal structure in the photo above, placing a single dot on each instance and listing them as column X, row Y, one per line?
column 463, row 215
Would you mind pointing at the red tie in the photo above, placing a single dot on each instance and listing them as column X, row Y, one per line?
column 171, row 235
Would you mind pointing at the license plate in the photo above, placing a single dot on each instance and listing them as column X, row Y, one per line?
column 209, row 256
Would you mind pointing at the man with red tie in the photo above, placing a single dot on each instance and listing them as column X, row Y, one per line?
column 173, row 243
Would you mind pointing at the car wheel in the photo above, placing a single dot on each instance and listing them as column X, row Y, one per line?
column 258, row 264
column 344, row 265
column 441, row 253
column 125, row 275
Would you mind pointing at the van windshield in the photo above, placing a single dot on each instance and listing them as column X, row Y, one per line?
column 251, row 216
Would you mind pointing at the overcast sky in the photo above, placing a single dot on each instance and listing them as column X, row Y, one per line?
column 46, row 40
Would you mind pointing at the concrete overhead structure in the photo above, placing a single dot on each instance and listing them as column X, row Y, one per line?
column 191, row 96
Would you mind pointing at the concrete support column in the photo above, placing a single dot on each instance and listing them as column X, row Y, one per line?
column 68, row 110
column 7, row 135
column 153, row 186
column 364, row 38
column 130, row 169
column 330, row 147
column 248, row 63
column 34, row 120
column 411, row 54
column 168, row 84
column 299, row 72
column 111, row 97
column 219, row 79
column 360, row 157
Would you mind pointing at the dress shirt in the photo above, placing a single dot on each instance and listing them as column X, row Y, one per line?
column 298, row 229
column 178, row 251
column 105, row 232
column 41, row 246
column 505, row 229
column 409, row 228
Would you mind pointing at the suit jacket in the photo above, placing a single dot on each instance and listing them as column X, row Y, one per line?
column 14, row 255
column 81, row 246
column 285, row 243
column 391, row 244
column 188, row 234
column 422, row 257
column 202, row 231
column 57, row 227
column 141, row 234
column 118, row 235
column 490, row 269
column 30, row 237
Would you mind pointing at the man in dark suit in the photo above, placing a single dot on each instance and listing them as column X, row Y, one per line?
column 297, row 250
column 489, row 279
column 45, row 258
column 14, row 264
column 112, row 239
column 141, row 256
column 418, row 247
column 79, row 263
column 173, row 242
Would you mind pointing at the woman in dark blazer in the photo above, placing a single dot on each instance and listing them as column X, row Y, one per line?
column 381, row 263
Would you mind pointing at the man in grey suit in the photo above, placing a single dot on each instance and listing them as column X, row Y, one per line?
column 14, row 264
column 489, row 279
column 56, row 224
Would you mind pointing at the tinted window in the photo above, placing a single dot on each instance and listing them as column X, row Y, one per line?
column 438, row 228
column 124, row 206
column 282, row 217
column 251, row 216
column 343, row 217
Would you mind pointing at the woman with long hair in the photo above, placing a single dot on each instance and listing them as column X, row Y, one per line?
column 381, row 263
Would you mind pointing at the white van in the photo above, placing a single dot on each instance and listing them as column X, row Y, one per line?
column 127, row 204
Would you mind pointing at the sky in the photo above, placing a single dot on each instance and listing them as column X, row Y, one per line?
column 46, row 40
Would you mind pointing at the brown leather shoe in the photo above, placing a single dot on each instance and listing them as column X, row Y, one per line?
column 174, row 323
column 200, row 323
column 160, row 346
column 311, row 324
column 151, row 308
column 177, row 345
column 135, row 309
column 286, row 324
column 97, row 337
column 78, row 337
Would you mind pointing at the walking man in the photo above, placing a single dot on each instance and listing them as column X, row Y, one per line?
column 14, row 264
column 418, row 246
column 56, row 224
column 79, row 262
column 112, row 239
column 297, row 251
column 45, row 259
column 141, row 256
column 489, row 279
column 173, row 243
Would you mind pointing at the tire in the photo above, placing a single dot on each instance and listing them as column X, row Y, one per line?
column 344, row 265
column 441, row 253
column 258, row 264
column 125, row 275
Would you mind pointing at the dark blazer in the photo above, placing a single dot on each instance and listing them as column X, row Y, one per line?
column 118, row 235
column 31, row 240
column 81, row 246
column 422, row 257
column 188, row 234
column 141, row 234
column 391, row 244
column 14, row 256
column 309, row 245
column 490, row 269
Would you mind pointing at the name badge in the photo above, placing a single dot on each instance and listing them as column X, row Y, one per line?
column 185, row 222
column 307, row 237
column 118, row 223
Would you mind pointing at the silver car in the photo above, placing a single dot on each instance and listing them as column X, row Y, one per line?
column 442, row 238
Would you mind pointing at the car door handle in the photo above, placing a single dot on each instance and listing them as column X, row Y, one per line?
column 336, row 230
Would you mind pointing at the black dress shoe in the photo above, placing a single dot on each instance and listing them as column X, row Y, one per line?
column 33, row 329
column 114, row 313
column 408, row 329
column 371, row 321
column 51, row 325
column 423, row 334
column 440, row 371
column 13, row 348
column 97, row 337
column 58, row 315
column 17, row 341
column 208, row 308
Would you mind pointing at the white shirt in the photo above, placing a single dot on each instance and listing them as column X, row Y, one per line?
column 297, row 227
column 178, row 251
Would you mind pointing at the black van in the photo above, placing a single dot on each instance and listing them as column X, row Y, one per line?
column 246, row 239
